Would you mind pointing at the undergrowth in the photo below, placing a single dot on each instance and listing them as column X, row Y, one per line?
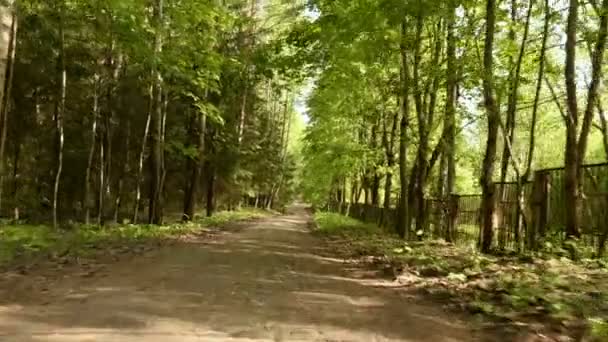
column 224, row 217
column 21, row 242
column 333, row 224
column 537, row 287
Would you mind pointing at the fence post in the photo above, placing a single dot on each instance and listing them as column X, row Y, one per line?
column 427, row 218
column 439, row 219
column 499, row 213
column 540, row 207
column 521, row 214
column 453, row 212
column 604, row 233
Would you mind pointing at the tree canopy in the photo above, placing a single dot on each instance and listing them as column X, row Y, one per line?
column 452, row 96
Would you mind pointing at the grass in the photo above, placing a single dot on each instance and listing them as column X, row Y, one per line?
column 542, row 287
column 334, row 224
column 20, row 243
column 224, row 217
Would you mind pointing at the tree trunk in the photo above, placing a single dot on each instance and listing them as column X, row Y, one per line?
column 191, row 165
column 434, row 80
column 86, row 202
column 576, row 147
column 124, row 173
column 389, row 145
column 597, row 60
column 509, row 133
column 210, row 207
column 246, row 45
column 375, row 177
column 101, row 190
column 195, row 166
column 114, row 65
column 8, row 28
column 423, row 143
column 449, row 150
column 539, row 86
column 511, row 119
column 59, row 113
column 388, row 184
column 571, row 177
column 6, row 99
column 520, row 217
column 354, row 191
column 286, row 126
column 514, row 81
column 488, row 189
column 14, row 194
column 142, row 154
column 412, row 193
column 375, row 190
column 603, row 126
column 243, row 113
column 163, row 166
column 156, row 157
column 403, row 214
column 442, row 176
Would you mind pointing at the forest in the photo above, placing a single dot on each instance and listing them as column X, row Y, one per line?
column 428, row 116
column 459, row 148
column 119, row 111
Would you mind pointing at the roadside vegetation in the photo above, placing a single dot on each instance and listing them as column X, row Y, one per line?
column 22, row 243
column 120, row 120
column 544, row 290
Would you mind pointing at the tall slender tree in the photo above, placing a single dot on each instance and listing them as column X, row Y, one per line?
column 488, row 189
column 155, row 195
column 403, row 215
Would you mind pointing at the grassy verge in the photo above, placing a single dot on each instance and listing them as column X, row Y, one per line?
column 542, row 288
column 21, row 243
column 225, row 217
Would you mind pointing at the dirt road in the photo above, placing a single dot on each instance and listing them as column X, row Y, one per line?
column 269, row 281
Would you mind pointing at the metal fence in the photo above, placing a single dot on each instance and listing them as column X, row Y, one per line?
column 539, row 218
column 593, row 204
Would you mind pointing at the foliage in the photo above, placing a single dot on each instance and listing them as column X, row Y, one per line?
column 599, row 328
column 221, row 80
column 23, row 242
column 329, row 224
column 398, row 77
column 518, row 288
column 224, row 217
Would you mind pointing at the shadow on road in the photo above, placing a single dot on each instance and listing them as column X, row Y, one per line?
column 272, row 281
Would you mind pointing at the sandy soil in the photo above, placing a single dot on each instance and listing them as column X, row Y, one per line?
column 269, row 280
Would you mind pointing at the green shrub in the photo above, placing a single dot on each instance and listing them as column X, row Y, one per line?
column 336, row 224
column 599, row 329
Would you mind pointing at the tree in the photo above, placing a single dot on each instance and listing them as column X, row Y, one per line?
column 8, row 44
column 59, row 112
column 111, row 61
column 403, row 216
column 488, row 196
column 8, row 20
column 449, row 149
column 156, row 171
column 576, row 144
